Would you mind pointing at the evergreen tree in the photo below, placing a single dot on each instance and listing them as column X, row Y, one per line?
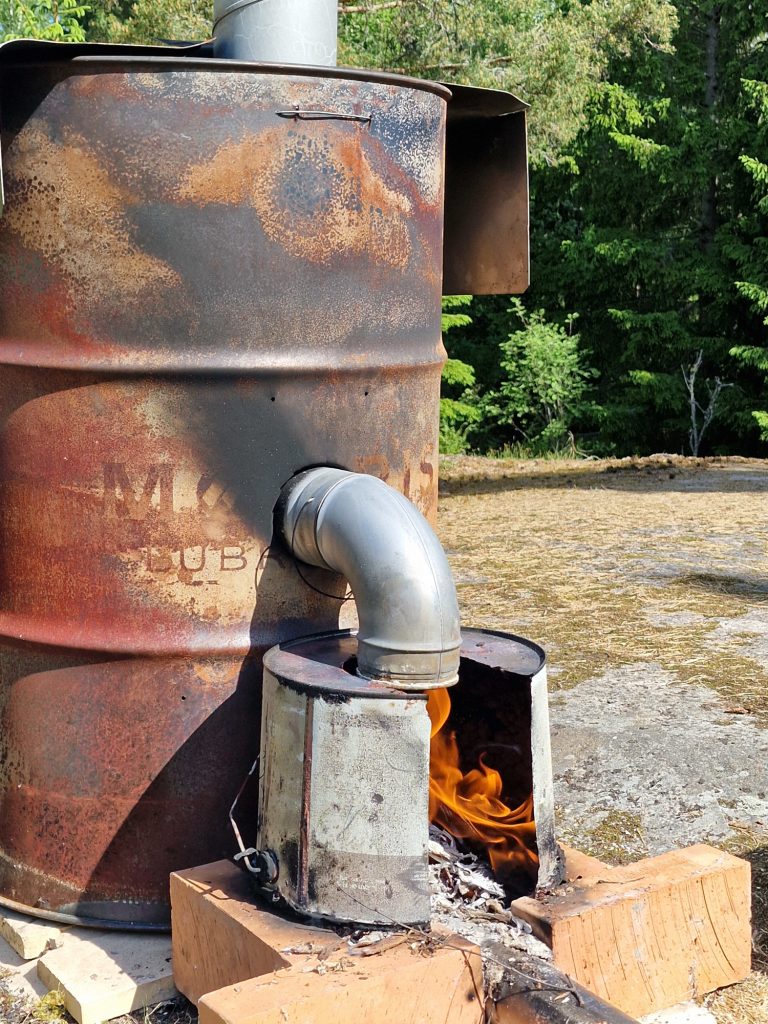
column 544, row 384
column 640, row 228
column 55, row 20
column 751, row 250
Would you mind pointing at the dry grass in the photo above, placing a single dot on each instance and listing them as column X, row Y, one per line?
column 741, row 1004
column 607, row 564
column 173, row 1011
column 607, row 567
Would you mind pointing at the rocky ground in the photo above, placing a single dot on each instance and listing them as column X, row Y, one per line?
column 646, row 580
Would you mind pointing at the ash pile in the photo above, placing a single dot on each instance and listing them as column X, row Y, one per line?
column 468, row 900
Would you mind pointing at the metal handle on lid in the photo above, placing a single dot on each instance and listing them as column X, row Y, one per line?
column 262, row 864
column 324, row 115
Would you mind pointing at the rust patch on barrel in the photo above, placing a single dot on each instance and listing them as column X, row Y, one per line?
column 70, row 189
column 315, row 191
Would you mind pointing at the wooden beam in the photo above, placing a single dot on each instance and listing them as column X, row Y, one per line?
column 648, row 935
column 401, row 986
column 243, row 964
column 221, row 935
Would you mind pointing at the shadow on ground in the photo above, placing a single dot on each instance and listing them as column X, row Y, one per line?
column 476, row 475
column 753, row 588
column 758, row 858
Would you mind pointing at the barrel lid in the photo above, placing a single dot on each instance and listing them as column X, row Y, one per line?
column 503, row 651
column 324, row 663
column 467, row 101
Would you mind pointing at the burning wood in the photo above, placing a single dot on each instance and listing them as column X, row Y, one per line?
column 470, row 804
column 460, row 878
column 480, row 849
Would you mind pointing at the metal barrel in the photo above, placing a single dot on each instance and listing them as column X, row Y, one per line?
column 212, row 276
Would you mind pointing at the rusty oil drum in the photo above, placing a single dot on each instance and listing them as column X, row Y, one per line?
column 204, row 288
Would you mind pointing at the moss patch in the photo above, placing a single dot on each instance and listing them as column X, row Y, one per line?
column 50, row 1010
column 617, row 838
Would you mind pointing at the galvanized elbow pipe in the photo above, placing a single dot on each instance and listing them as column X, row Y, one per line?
column 357, row 525
column 278, row 31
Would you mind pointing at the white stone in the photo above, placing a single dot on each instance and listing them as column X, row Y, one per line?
column 683, row 1013
column 105, row 974
column 19, row 976
column 29, row 937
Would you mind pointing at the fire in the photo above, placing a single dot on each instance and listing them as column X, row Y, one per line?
column 469, row 805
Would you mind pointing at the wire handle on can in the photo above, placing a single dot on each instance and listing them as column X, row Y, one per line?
column 265, row 868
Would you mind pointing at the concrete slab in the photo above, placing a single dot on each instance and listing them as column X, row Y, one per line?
column 27, row 936
column 105, row 974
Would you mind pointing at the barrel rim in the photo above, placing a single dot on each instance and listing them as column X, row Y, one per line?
column 34, row 54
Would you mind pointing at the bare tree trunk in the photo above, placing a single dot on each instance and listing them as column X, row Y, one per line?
column 689, row 376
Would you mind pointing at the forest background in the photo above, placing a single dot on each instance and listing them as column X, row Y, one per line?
column 646, row 324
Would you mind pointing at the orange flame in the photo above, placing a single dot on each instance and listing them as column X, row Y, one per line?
column 469, row 806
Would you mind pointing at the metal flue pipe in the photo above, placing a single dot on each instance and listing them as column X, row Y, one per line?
column 276, row 31
column 357, row 525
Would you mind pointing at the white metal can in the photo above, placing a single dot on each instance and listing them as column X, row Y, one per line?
column 344, row 787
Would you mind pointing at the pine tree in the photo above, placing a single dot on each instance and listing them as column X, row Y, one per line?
column 639, row 227
column 750, row 252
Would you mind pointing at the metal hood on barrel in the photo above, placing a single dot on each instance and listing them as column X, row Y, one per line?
column 213, row 275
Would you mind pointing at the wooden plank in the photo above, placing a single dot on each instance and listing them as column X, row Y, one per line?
column 102, row 975
column 580, row 867
column 402, row 986
column 647, row 935
column 29, row 937
column 244, row 965
column 221, row 936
